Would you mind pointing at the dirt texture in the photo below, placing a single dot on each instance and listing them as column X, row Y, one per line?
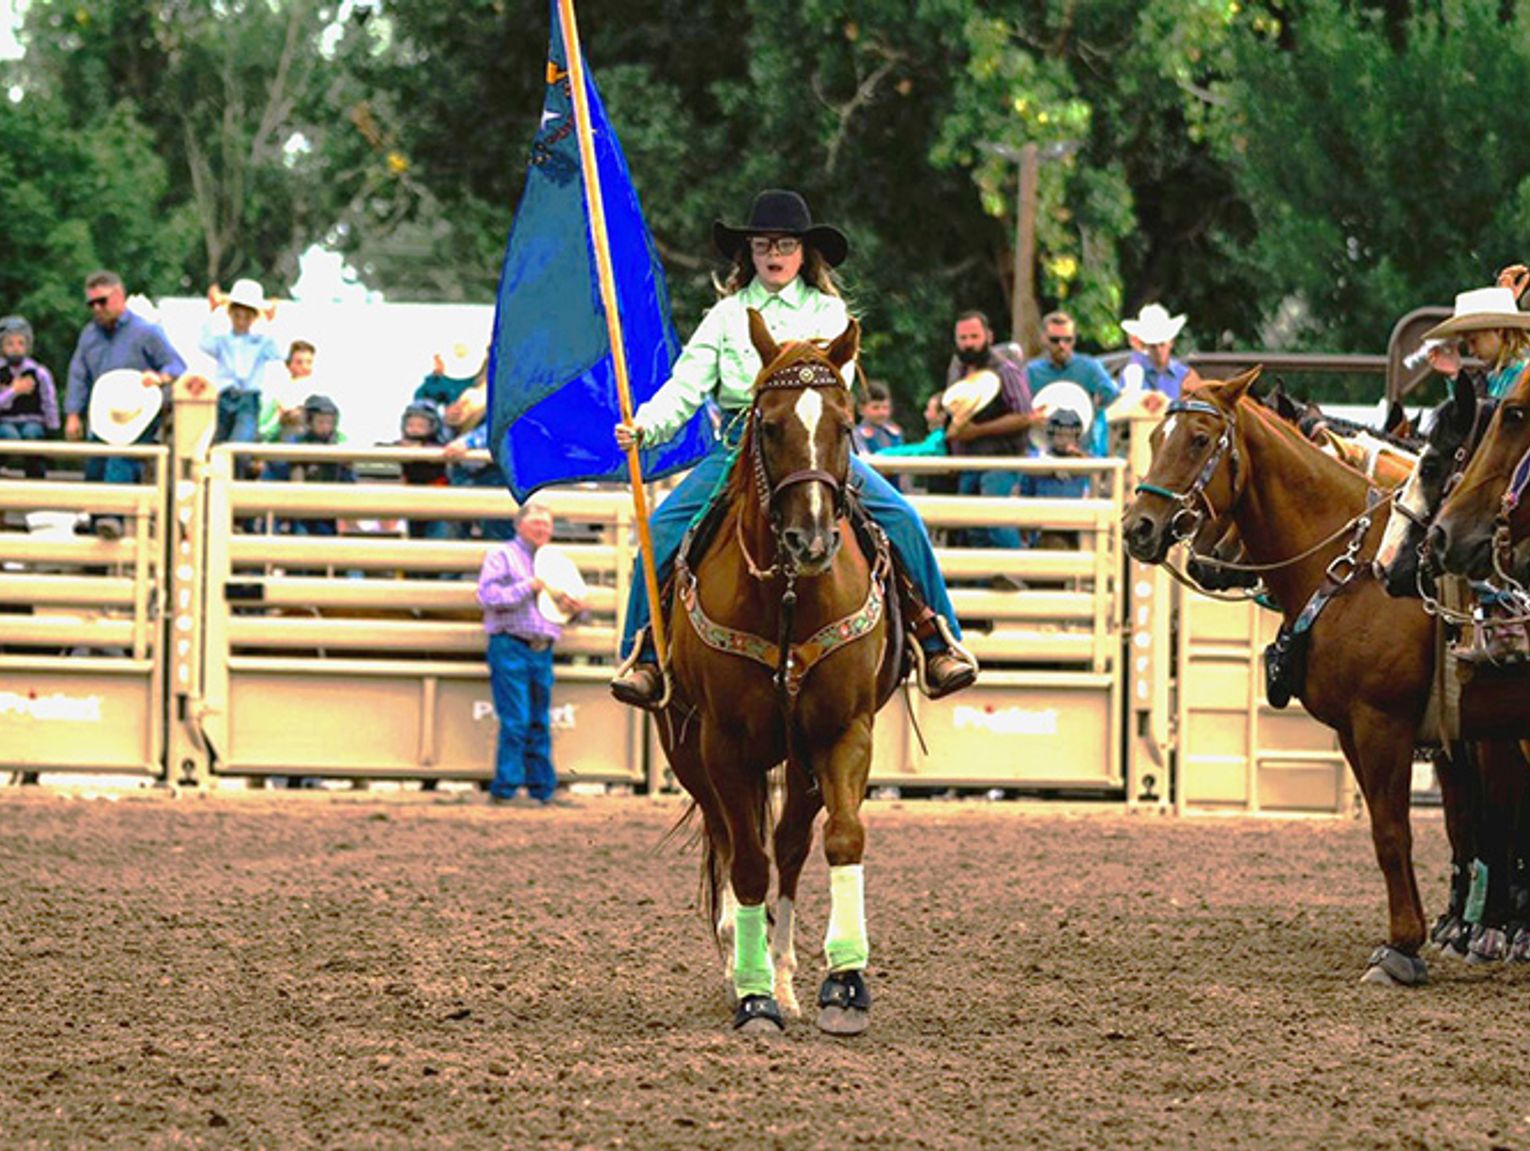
column 339, row 970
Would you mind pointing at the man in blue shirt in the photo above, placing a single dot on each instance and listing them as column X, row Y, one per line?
column 1062, row 363
column 115, row 338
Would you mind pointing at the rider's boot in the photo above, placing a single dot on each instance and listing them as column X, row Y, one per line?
column 1498, row 635
column 945, row 669
column 638, row 682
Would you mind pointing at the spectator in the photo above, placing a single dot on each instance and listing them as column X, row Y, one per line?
column 321, row 425
column 990, row 408
column 521, row 638
column 453, row 373
column 421, row 428
column 114, row 339
column 241, row 356
column 1062, row 363
column 876, row 431
column 282, row 392
column 1152, row 372
column 1064, row 440
column 28, row 399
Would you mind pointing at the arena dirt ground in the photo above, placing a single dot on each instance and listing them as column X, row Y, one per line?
column 342, row 970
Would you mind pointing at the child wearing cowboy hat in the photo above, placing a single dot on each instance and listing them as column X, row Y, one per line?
column 241, row 356
column 1494, row 330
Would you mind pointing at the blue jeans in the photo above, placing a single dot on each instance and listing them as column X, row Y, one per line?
column 30, row 430
column 238, row 417
column 117, row 469
column 990, row 484
column 522, row 682
column 897, row 517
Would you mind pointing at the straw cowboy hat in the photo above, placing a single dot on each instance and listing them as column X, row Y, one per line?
column 967, row 397
column 1154, row 325
column 249, row 294
column 121, row 407
column 780, row 212
column 1479, row 310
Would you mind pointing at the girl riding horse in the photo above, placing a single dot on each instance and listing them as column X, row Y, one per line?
column 781, row 269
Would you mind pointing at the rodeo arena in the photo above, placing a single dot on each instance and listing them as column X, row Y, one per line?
column 1153, row 781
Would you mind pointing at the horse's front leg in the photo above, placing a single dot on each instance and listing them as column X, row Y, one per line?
column 1380, row 751
column 844, row 1001
column 794, row 836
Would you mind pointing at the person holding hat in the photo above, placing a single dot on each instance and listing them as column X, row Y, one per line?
column 781, row 268
column 241, row 356
column 1494, row 330
column 1152, row 373
column 1063, row 362
column 28, row 399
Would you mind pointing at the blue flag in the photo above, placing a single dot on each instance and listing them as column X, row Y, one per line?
column 552, row 384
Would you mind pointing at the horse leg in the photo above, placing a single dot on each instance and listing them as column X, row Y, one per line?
column 1502, row 768
column 844, row 1000
column 717, row 849
column 794, row 836
column 1519, row 938
column 1456, row 771
column 742, row 791
column 1380, row 751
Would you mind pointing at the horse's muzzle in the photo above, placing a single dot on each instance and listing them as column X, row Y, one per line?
column 1146, row 540
column 811, row 550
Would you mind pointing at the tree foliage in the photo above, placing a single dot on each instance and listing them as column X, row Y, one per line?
column 1295, row 171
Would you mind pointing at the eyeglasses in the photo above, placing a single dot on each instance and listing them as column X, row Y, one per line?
column 98, row 301
column 781, row 245
column 1060, row 339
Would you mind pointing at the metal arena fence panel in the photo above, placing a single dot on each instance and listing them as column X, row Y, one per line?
column 226, row 634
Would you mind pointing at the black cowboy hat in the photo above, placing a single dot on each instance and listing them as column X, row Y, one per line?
column 780, row 212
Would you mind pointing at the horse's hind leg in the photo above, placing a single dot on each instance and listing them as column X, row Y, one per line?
column 1456, row 771
column 1380, row 752
column 1502, row 769
column 844, row 1001
column 794, row 837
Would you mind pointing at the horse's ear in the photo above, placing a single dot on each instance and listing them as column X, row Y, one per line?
column 846, row 345
column 1397, row 420
column 764, row 343
column 1233, row 390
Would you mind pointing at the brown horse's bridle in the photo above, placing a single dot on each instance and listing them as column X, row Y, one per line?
column 1195, row 505
column 818, row 375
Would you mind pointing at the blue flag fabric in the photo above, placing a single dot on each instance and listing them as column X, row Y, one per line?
column 552, row 384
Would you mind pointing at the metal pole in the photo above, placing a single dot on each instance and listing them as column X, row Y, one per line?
column 1025, row 317
column 597, row 211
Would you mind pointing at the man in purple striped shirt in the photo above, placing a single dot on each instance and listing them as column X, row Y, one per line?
column 520, row 657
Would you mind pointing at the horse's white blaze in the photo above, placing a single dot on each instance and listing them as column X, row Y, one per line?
column 1412, row 498
column 1169, row 425
column 783, row 953
column 809, row 411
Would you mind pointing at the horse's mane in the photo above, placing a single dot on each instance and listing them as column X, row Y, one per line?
column 1344, row 427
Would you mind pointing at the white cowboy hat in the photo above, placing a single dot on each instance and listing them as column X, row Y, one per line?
column 462, row 361
column 1055, row 397
column 121, row 407
column 1479, row 310
column 1154, row 325
column 967, row 397
column 558, row 573
column 248, row 293
column 52, row 525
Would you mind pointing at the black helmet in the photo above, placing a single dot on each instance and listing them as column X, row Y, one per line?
column 320, row 406
column 428, row 411
column 1064, row 418
column 13, row 324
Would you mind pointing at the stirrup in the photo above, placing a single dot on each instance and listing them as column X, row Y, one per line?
column 943, row 629
column 632, row 661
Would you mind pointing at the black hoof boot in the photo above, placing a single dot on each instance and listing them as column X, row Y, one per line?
column 1394, row 968
column 844, row 1004
column 759, row 1014
column 1449, row 933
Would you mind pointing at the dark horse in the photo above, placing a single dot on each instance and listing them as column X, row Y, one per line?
column 1484, row 789
column 1219, row 456
column 784, row 651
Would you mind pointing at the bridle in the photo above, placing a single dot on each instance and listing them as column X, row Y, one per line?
column 1194, row 505
column 805, row 375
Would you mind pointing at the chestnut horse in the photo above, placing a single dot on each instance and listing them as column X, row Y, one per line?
column 784, row 651
column 1486, row 515
column 1303, row 514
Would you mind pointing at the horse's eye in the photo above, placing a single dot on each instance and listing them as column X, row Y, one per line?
column 1199, row 440
column 1513, row 414
column 771, row 429
column 1428, row 469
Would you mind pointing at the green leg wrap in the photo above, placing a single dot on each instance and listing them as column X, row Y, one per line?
column 752, row 972
column 1476, row 896
column 846, row 947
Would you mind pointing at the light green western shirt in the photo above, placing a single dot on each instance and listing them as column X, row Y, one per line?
column 721, row 356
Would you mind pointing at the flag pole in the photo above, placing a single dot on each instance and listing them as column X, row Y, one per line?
column 607, row 279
